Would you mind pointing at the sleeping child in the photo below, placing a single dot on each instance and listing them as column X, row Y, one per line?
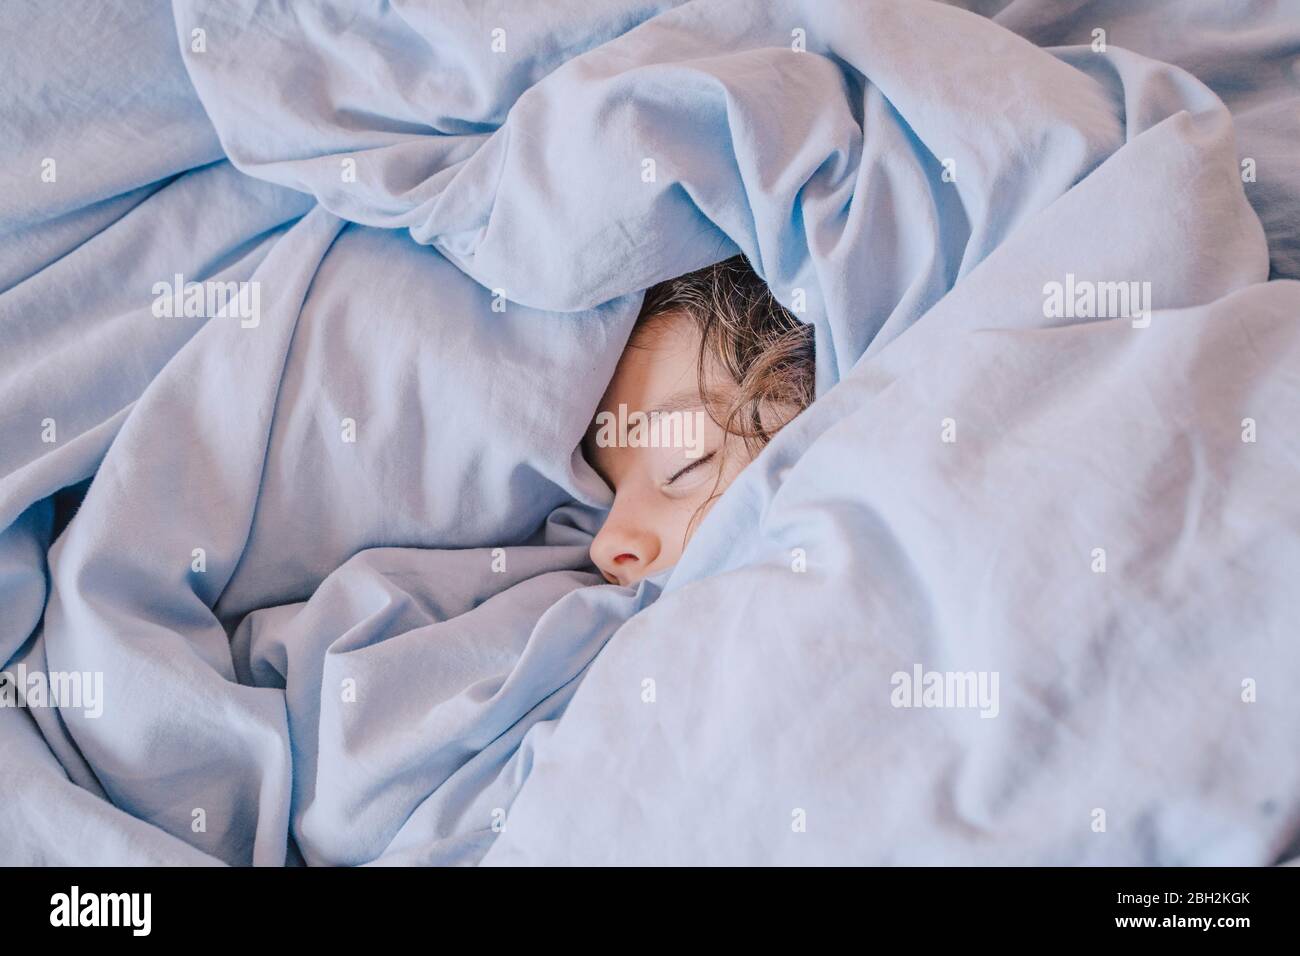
column 714, row 345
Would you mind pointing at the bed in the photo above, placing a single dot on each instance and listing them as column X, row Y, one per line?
column 304, row 312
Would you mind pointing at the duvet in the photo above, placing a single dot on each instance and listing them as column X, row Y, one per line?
column 305, row 309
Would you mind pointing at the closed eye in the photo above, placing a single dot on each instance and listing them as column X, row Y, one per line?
column 689, row 468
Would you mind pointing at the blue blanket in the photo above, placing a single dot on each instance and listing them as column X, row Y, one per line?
column 305, row 310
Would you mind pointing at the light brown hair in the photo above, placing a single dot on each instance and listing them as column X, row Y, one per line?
column 747, row 336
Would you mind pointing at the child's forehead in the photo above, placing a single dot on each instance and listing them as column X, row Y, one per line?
column 656, row 368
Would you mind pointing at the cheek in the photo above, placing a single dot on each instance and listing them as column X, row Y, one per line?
column 690, row 511
column 734, row 461
column 671, row 519
column 676, row 518
column 737, row 458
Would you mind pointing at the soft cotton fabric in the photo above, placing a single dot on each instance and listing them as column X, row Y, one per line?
column 331, row 563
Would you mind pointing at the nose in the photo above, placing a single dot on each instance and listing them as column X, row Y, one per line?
column 624, row 549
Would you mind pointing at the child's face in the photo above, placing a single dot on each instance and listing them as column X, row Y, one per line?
column 658, row 490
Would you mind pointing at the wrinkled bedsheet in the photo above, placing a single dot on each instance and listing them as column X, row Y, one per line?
column 323, row 544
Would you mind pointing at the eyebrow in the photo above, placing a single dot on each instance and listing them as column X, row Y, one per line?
column 682, row 401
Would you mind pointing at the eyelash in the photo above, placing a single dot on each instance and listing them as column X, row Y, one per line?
column 693, row 465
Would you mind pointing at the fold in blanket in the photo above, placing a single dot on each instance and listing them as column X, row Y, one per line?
column 331, row 558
